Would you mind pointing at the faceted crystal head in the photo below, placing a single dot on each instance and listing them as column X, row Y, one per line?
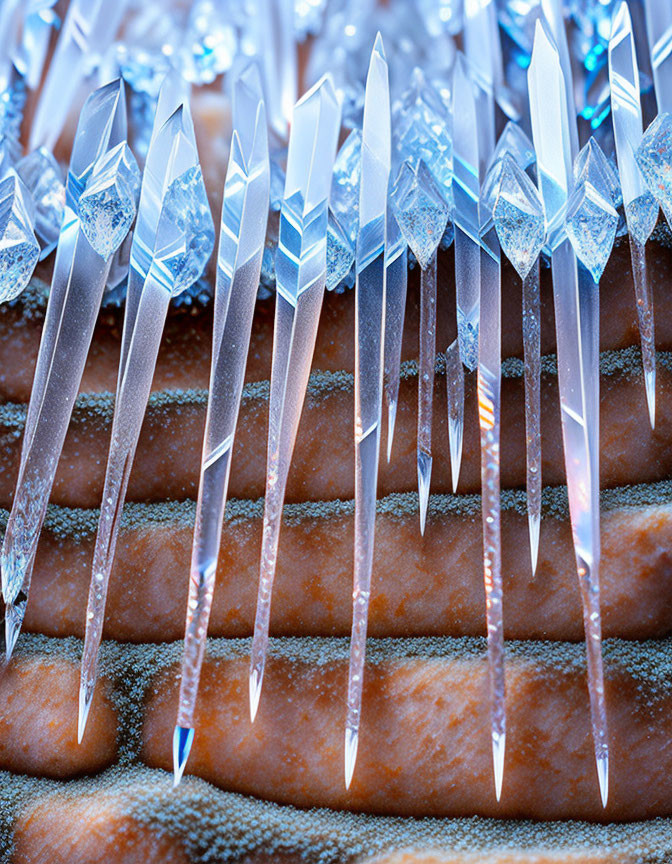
column 654, row 157
column 101, row 126
column 592, row 163
column 186, row 230
column 420, row 210
column 641, row 215
column 340, row 253
column 591, row 224
column 518, row 215
column 19, row 250
column 344, row 199
column 108, row 204
column 421, row 131
column 43, row 177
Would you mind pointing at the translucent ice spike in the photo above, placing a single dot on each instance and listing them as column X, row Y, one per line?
column 278, row 52
column 532, row 359
column 578, row 364
column 422, row 215
column 466, row 191
column 88, row 29
column 76, row 290
column 172, row 242
column 300, row 278
column 641, row 209
column 659, row 32
column 396, row 270
column 241, row 246
column 369, row 331
column 518, row 216
column 455, row 402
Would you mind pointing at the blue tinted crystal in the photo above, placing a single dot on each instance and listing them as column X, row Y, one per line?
column 186, row 234
column 420, row 210
column 518, row 215
column 19, row 250
column 108, row 204
column 591, row 226
column 642, row 215
column 654, row 157
column 344, row 198
column 340, row 253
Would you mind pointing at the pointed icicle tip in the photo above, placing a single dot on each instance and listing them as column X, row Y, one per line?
column 351, row 744
column 85, row 699
column 498, row 750
column 13, row 622
column 534, row 526
column 603, row 777
column 391, row 420
column 378, row 46
column 256, row 679
column 650, row 384
column 183, row 738
column 424, row 478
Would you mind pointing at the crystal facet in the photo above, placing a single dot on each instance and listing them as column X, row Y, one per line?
column 107, row 205
column 654, row 158
column 591, row 220
column 518, row 215
column 420, row 210
column 19, row 250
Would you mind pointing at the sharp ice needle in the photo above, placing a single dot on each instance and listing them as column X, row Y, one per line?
column 396, row 269
column 577, row 330
column 641, row 210
column 243, row 231
column 426, row 383
column 370, row 328
column 300, row 280
column 77, row 286
column 455, row 402
column 532, row 355
column 173, row 216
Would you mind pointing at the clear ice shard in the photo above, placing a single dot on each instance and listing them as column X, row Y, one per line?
column 396, row 278
column 340, row 253
column 422, row 215
column 19, row 250
column 659, row 32
column 344, row 198
column 74, row 299
column 88, row 29
column 641, row 209
column 107, row 205
column 277, row 48
column 455, row 402
column 172, row 242
column 241, row 246
column 577, row 334
column 43, row 178
column 518, row 215
column 466, row 192
column 300, row 265
column 370, row 299
column 591, row 220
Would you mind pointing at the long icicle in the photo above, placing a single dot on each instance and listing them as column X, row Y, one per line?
column 426, row 383
column 455, row 403
column 80, row 272
column 578, row 366
column 396, row 270
column 242, row 235
column 300, row 280
column 172, row 180
column 532, row 376
column 370, row 328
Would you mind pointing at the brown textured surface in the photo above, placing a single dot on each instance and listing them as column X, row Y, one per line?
column 421, row 586
column 168, row 456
